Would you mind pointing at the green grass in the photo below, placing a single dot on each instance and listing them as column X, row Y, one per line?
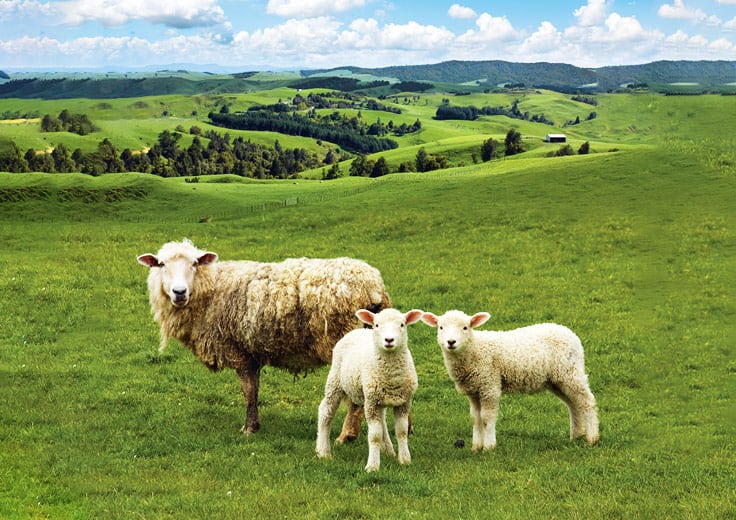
column 633, row 250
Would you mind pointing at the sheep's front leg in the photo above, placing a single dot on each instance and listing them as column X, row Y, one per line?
column 249, row 380
column 488, row 414
column 401, row 427
column 374, row 416
column 388, row 446
column 477, row 423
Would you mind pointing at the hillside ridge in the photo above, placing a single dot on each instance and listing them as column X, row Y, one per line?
column 705, row 75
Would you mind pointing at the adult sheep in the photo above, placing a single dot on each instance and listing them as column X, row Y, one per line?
column 485, row 363
column 246, row 315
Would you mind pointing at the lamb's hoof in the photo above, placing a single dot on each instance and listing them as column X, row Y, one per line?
column 371, row 469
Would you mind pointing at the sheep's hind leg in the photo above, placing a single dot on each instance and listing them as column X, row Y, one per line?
column 351, row 426
column 581, row 403
column 249, row 381
column 327, row 409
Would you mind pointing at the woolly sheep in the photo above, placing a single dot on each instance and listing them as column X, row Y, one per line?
column 246, row 315
column 482, row 364
column 373, row 368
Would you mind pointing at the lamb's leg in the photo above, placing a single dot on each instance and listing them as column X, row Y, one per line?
column 477, row 424
column 388, row 446
column 583, row 414
column 373, row 417
column 351, row 426
column 327, row 408
column 488, row 415
column 249, row 381
column 401, row 427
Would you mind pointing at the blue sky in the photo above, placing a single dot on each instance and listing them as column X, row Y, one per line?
column 295, row 34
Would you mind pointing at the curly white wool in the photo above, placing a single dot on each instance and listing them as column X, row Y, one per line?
column 373, row 368
column 483, row 364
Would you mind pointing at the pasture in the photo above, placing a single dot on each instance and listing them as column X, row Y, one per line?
column 634, row 250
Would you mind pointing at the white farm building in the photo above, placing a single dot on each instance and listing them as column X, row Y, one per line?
column 556, row 138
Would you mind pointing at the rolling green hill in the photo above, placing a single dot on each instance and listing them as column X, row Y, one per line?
column 692, row 76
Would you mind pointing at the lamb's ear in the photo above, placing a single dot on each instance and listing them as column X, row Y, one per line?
column 207, row 258
column 430, row 319
column 413, row 316
column 479, row 319
column 149, row 260
column 366, row 316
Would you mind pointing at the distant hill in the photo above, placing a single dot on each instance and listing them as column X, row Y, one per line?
column 700, row 75
column 556, row 75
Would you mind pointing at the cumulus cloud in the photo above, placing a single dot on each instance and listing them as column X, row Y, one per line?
column 490, row 29
column 546, row 38
column 114, row 13
column 461, row 12
column 593, row 13
column 679, row 11
column 310, row 8
column 367, row 34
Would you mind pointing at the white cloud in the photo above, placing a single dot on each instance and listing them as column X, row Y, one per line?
column 490, row 29
column 114, row 13
column 461, row 12
column 678, row 11
column 310, row 8
column 367, row 34
column 546, row 38
column 594, row 13
column 731, row 24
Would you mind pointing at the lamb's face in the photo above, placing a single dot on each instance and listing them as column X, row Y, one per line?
column 389, row 327
column 455, row 328
column 177, row 269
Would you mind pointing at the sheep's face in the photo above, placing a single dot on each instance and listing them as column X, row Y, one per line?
column 455, row 328
column 389, row 326
column 177, row 269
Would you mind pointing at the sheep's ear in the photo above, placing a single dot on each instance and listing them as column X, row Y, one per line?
column 430, row 319
column 413, row 316
column 207, row 258
column 149, row 260
column 366, row 316
column 479, row 319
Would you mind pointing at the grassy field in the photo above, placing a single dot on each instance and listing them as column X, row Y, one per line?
column 634, row 250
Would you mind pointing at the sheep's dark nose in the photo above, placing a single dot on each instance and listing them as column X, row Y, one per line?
column 179, row 292
column 451, row 343
column 389, row 342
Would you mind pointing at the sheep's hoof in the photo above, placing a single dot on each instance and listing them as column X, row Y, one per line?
column 342, row 439
column 248, row 430
column 371, row 469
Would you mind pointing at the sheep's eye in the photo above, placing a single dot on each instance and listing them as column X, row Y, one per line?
column 465, row 328
column 402, row 325
column 442, row 328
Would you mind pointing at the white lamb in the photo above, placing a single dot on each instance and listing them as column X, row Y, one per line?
column 483, row 364
column 373, row 368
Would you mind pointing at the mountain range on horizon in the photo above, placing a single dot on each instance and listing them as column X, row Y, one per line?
column 476, row 74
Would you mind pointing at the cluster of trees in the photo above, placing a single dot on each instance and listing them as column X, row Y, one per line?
column 567, row 150
column 590, row 117
column 350, row 133
column 363, row 166
column 590, row 100
column 471, row 113
column 67, row 122
column 342, row 100
column 166, row 158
